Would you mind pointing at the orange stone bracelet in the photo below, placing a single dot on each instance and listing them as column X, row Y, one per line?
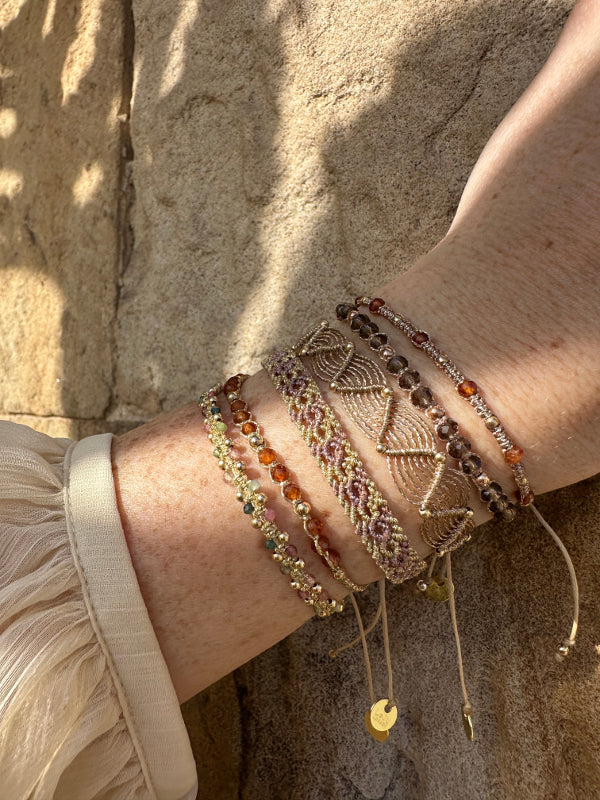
column 280, row 475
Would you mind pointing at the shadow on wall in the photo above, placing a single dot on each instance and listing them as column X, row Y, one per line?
column 285, row 158
column 63, row 92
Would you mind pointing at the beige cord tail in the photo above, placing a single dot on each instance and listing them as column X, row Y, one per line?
column 467, row 708
column 565, row 648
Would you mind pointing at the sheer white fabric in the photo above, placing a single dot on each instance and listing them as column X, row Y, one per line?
column 87, row 708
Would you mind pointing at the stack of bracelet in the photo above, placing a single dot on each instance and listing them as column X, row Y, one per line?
column 418, row 468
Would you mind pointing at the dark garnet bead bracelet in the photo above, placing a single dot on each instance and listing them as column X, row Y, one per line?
column 457, row 446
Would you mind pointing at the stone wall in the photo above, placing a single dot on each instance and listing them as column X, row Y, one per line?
column 182, row 185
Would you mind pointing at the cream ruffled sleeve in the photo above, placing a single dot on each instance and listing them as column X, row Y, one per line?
column 87, row 708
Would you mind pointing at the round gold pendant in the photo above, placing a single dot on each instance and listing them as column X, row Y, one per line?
column 438, row 589
column 381, row 719
column 379, row 736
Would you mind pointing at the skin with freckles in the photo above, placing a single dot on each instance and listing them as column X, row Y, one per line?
column 511, row 294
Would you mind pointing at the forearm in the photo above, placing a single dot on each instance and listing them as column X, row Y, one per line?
column 517, row 314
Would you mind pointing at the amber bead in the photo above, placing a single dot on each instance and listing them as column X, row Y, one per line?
column 323, row 543
column 467, row 388
column 240, row 416
column 527, row 499
column 459, row 447
column 231, row 385
column 396, row 364
column 513, row 456
column 333, row 558
column 248, row 428
column 279, row 473
column 419, row 338
column 238, row 405
column 375, row 304
column 314, row 526
column 267, row 456
column 291, row 492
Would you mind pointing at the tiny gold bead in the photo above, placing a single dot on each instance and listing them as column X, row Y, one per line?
column 304, row 352
column 380, row 448
column 240, row 496
column 440, row 458
column 210, row 437
column 300, row 563
column 349, row 347
column 260, row 498
column 256, row 522
column 469, row 513
column 239, row 465
column 295, row 585
column 222, row 464
column 422, row 585
column 277, row 557
column 302, row 508
column 228, row 443
column 231, row 397
column 425, row 513
column 283, row 537
column 333, row 385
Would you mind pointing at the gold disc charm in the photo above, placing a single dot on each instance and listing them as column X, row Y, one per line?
column 379, row 736
column 438, row 589
column 381, row 719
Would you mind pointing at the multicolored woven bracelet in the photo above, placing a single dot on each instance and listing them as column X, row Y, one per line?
column 374, row 523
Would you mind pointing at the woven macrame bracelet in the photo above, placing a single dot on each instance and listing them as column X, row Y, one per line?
column 420, row 471
column 377, row 528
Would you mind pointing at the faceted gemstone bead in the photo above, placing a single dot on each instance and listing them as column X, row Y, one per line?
column 248, row 428
column 436, row 412
column 471, row 465
column 240, row 416
column 270, row 544
column 231, row 385
column 254, row 486
column 498, row 505
column 509, row 513
column 409, row 379
column 467, row 388
column 421, row 397
column 514, row 455
column 334, row 558
column 482, row 480
column 368, row 329
column 285, row 569
column 324, row 595
column 492, row 422
column 291, row 492
column 291, row 551
column 358, row 321
column 375, row 304
column 303, row 595
column 459, row 447
column 527, row 499
column 419, row 338
column 447, row 430
column 248, row 508
column 279, row 473
column 221, row 427
column 269, row 515
column 267, row 456
column 343, row 309
column 396, row 364
column 314, row 526
column 310, row 580
column 238, row 405
column 491, row 492
column 215, row 410
column 377, row 341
